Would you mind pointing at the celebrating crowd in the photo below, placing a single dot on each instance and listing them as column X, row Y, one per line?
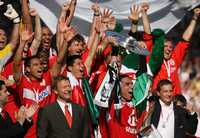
column 110, row 85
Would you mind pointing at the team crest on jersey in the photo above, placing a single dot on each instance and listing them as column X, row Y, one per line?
column 171, row 62
column 43, row 83
column 132, row 119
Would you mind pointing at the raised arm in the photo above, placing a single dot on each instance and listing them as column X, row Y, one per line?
column 190, row 29
column 145, row 20
column 106, row 22
column 14, row 16
column 25, row 15
column 93, row 33
column 59, row 34
column 134, row 17
column 69, row 33
column 71, row 11
column 38, row 33
column 17, row 68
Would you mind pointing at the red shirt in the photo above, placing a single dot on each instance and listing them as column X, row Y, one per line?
column 148, row 40
column 125, row 127
column 33, row 91
column 172, row 66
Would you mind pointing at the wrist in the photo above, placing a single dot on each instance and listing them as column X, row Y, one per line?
column 135, row 22
column 96, row 14
column 16, row 20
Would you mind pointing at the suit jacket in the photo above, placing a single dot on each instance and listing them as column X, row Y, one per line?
column 53, row 124
column 184, row 122
column 8, row 129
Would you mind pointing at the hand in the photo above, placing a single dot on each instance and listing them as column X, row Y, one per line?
column 142, row 44
column 144, row 7
column 33, row 12
column 62, row 25
column 69, row 34
column 99, row 26
column 66, row 6
column 106, row 15
column 110, row 39
column 134, row 16
column 95, row 7
column 111, row 24
column 20, row 115
column 12, row 14
column 31, row 110
column 25, row 35
column 190, row 107
column 73, row 1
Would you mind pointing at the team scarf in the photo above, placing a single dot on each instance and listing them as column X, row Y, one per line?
column 105, row 90
column 82, row 95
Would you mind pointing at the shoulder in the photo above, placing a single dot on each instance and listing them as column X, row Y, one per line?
column 77, row 106
column 7, row 48
column 49, row 107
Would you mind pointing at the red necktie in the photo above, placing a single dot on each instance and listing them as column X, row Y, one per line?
column 68, row 116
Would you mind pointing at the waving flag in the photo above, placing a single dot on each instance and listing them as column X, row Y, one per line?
column 162, row 13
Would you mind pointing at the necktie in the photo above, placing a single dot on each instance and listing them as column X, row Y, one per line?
column 68, row 116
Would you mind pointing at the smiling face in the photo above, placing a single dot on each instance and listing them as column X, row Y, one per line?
column 126, row 86
column 3, row 39
column 168, row 49
column 76, row 48
column 64, row 90
column 77, row 69
column 166, row 93
column 46, row 38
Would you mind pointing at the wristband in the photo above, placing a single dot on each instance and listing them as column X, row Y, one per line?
column 16, row 20
column 96, row 14
column 135, row 22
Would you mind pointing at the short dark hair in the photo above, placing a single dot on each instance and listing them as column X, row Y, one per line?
column 181, row 99
column 71, row 59
column 58, row 79
column 27, row 61
column 78, row 38
column 1, row 84
column 163, row 82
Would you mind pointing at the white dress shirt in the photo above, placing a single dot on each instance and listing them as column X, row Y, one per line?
column 62, row 106
column 166, row 122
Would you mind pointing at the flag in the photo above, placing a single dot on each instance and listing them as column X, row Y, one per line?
column 163, row 13
column 93, row 110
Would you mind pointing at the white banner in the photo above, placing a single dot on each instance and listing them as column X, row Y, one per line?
column 162, row 13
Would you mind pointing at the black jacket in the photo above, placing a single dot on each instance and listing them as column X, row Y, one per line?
column 8, row 129
column 184, row 122
column 52, row 123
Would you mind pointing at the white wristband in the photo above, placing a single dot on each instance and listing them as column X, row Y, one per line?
column 16, row 20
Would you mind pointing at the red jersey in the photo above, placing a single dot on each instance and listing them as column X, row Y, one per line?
column 125, row 127
column 78, row 95
column 169, row 69
column 33, row 91
column 148, row 40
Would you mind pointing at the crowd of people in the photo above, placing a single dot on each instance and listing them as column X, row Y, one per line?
column 62, row 86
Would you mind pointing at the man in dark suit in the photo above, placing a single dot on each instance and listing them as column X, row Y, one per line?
column 170, row 120
column 63, row 119
column 8, row 129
